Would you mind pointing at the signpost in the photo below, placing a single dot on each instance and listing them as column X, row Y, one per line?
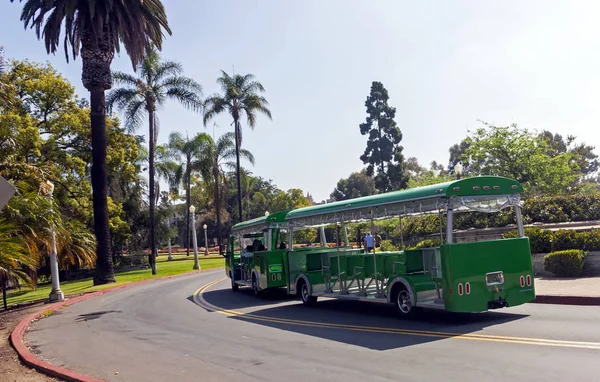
column 7, row 191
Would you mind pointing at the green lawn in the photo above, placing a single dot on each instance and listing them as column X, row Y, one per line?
column 164, row 268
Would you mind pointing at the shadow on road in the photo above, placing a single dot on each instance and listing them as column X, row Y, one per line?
column 243, row 298
column 371, row 318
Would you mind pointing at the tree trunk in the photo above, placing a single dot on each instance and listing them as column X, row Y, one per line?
column 4, row 291
column 96, row 57
column 188, row 203
column 217, row 209
column 237, row 159
column 152, row 197
column 104, row 265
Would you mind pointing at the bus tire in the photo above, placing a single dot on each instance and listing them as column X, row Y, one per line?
column 234, row 286
column 254, row 287
column 304, row 292
column 401, row 299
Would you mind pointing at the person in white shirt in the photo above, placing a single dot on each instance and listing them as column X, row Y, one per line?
column 369, row 242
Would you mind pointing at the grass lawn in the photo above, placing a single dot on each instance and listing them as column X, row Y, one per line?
column 163, row 268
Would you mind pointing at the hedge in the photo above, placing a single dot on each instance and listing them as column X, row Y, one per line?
column 544, row 241
column 568, row 263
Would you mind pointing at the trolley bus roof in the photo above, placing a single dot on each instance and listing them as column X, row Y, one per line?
column 277, row 219
column 479, row 193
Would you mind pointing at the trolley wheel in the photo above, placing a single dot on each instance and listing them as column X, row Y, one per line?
column 254, row 287
column 401, row 298
column 234, row 286
column 307, row 299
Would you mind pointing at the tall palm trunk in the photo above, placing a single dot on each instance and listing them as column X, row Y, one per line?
column 104, row 266
column 96, row 57
column 237, row 159
column 152, row 197
column 217, row 208
column 188, row 203
column 4, row 286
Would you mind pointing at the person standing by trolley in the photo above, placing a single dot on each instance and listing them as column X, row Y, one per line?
column 369, row 242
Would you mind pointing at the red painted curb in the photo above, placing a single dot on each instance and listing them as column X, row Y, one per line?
column 16, row 337
column 568, row 300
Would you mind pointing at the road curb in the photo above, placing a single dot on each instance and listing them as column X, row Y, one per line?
column 568, row 300
column 17, row 335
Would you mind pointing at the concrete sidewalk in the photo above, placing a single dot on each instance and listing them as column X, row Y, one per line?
column 568, row 291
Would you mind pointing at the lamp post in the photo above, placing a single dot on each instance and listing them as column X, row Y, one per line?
column 206, row 241
column 458, row 169
column 194, row 242
column 56, row 294
column 170, row 250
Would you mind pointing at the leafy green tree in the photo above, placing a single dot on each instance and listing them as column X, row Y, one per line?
column 383, row 153
column 289, row 200
column 356, row 185
column 421, row 176
column 519, row 154
column 240, row 96
column 190, row 154
column 158, row 81
column 96, row 28
column 584, row 154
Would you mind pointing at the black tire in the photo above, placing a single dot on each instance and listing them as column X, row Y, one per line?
column 234, row 286
column 254, row 287
column 401, row 299
column 305, row 296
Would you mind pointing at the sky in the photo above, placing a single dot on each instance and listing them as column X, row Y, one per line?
column 446, row 65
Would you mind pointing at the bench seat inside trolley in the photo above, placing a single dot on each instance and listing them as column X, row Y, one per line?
column 357, row 263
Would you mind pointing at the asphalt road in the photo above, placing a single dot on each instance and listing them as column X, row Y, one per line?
column 175, row 330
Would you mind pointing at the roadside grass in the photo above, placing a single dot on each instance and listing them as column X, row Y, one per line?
column 164, row 268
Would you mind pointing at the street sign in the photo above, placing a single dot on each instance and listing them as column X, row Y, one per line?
column 7, row 191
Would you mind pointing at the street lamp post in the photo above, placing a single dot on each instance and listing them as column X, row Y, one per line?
column 56, row 294
column 194, row 242
column 170, row 250
column 458, row 169
column 206, row 241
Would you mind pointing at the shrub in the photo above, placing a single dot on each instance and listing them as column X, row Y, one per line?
column 567, row 263
column 539, row 239
column 427, row 244
column 567, row 239
column 387, row 245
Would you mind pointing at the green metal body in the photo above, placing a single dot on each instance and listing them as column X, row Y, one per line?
column 457, row 277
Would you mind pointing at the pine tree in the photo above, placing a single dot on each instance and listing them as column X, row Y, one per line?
column 383, row 153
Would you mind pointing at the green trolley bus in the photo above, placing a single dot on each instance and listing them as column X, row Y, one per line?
column 455, row 276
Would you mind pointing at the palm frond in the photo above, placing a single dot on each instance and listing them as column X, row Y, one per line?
column 213, row 105
column 120, row 98
column 186, row 97
column 124, row 79
column 134, row 113
column 137, row 25
column 166, row 69
column 247, row 155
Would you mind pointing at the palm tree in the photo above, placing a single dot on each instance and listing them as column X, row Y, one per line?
column 239, row 97
column 15, row 257
column 248, row 183
column 157, row 82
column 214, row 157
column 192, row 153
column 166, row 168
column 95, row 28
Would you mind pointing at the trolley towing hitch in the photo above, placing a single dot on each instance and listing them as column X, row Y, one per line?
column 496, row 304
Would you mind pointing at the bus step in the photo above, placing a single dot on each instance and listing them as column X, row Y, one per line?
column 436, row 303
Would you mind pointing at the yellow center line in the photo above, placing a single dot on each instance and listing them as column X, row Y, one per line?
column 199, row 300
